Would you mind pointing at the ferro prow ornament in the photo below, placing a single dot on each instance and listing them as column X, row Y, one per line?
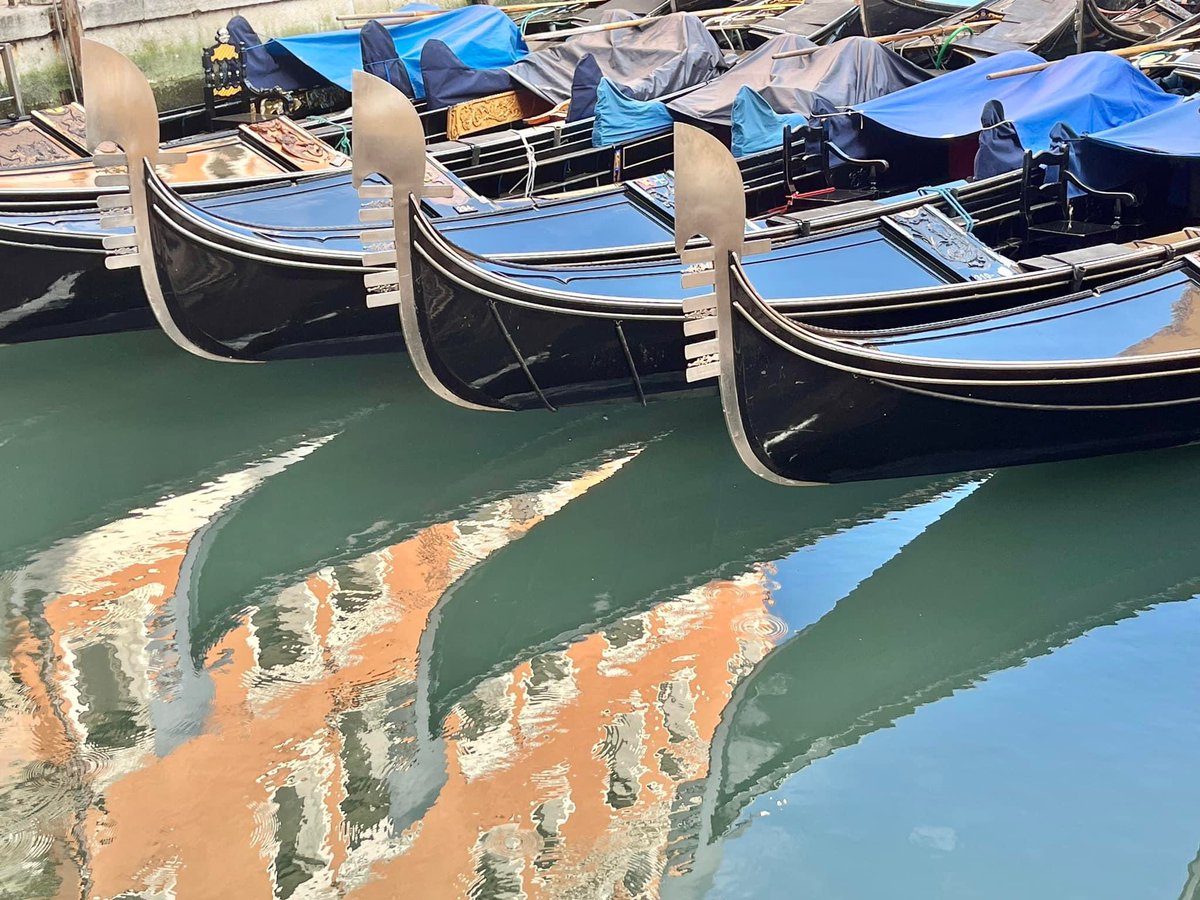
column 710, row 202
column 122, row 112
column 389, row 142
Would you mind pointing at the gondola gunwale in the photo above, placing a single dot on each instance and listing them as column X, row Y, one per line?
column 555, row 300
column 824, row 222
column 763, row 317
column 166, row 205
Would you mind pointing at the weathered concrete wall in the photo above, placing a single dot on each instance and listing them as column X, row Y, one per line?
column 164, row 37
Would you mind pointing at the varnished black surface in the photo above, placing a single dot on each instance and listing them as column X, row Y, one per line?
column 56, row 285
column 257, row 303
column 809, row 419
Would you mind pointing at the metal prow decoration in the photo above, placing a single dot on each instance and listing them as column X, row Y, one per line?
column 710, row 203
column 390, row 142
column 122, row 112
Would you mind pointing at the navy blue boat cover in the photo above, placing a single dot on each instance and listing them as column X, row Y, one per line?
column 380, row 58
column 1118, row 157
column 752, row 95
column 1174, row 132
column 263, row 72
column 661, row 57
column 1088, row 93
column 482, row 36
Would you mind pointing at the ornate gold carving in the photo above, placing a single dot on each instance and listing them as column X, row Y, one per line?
column 223, row 52
column 68, row 122
column 490, row 112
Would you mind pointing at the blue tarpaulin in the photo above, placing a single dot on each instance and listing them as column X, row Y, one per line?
column 1173, row 132
column 620, row 120
column 757, row 127
column 1091, row 91
column 1088, row 93
column 1118, row 157
column 481, row 36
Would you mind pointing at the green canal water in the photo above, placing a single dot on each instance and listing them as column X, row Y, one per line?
column 303, row 630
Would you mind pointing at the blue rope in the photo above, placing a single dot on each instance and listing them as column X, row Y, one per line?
column 947, row 194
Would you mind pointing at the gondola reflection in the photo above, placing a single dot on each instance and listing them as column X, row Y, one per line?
column 567, row 656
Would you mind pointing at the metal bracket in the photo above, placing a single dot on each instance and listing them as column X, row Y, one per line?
column 388, row 141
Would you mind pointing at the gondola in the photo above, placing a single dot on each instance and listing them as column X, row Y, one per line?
column 894, row 16
column 504, row 336
column 1118, row 25
column 821, row 21
column 1080, row 372
column 1045, row 27
column 203, row 312
column 64, row 288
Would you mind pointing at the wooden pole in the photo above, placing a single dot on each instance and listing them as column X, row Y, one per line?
column 1124, row 52
column 510, row 8
column 896, row 38
column 72, row 27
column 634, row 23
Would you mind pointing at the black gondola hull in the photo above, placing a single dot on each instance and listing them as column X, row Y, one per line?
column 518, row 352
column 248, row 302
column 56, row 285
column 816, row 411
column 496, row 342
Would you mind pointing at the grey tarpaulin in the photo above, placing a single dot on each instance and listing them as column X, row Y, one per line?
column 816, row 20
column 648, row 61
column 849, row 71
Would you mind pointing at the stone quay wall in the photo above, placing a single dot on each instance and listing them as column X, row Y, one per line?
column 164, row 37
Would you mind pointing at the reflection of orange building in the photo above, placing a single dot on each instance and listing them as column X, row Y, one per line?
column 305, row 768
column 85, row 666
column 568, row 776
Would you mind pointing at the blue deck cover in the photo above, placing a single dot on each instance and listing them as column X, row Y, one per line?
column 1132, row 153
column 481, row 36
column 1087, row 93
column 1172, row 132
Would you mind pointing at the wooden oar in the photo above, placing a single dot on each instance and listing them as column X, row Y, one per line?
column 635, row 23
column 903, row 36
column 359, row 18
column 1123, row 52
